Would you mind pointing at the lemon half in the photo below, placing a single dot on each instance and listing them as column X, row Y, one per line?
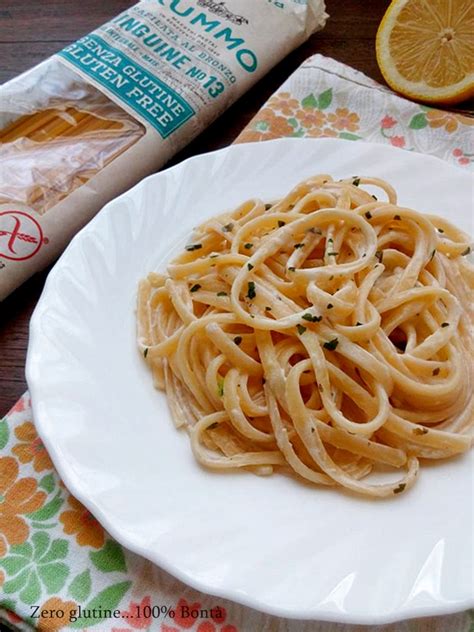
column 425, row 49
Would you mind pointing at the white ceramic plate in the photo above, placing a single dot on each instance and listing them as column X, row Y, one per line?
column 271, row 543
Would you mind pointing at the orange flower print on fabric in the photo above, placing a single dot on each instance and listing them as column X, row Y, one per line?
column 326, row 132
column 59, row 614
column 18, row 496
column 439, row 118
column 342, row 118
column 311, row 118
column 279, row 126
column 31, row 448
column 266, row 126
column 80, row 522
column 283, row 102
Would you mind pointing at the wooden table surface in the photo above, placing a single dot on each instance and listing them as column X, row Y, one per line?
column 31, row 30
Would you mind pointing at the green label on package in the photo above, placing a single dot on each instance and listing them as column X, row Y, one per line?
column 152, row 99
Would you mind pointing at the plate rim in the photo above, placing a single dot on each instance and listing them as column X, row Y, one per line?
column 67, row 476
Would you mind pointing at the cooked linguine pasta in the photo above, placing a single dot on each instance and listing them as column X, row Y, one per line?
column 328, row 334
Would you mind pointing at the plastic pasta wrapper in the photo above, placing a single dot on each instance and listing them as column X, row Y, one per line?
column 113, row 107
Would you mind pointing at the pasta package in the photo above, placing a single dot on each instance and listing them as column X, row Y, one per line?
column 113, row 107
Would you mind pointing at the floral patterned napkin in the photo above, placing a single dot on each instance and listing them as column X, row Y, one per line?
column 326, row 98
column 59, row 569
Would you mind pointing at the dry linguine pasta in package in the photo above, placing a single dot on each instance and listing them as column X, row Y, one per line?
column 114, row 106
